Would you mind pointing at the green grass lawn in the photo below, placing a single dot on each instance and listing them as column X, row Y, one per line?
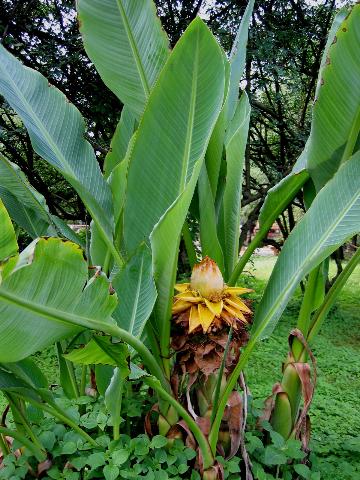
column 335, row 411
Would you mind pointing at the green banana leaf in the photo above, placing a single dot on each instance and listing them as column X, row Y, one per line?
column 174, row 130
column 235, row 145
column 100, row 351
column 8, row 244
column 214, row 152
column 44, row 301
column 165, row 256
column 120, row 141
column 333, row 217
column 27, row 207
column 339, row 18
column 103, row 375
column 210, row 244
column 336, row 113
column 118, row 184
column 237, row 60
column 280, row 196
column 29, row 372
column 136, row 291
column 11, row 383
column 57, row 130
column 99, row 252
column 277, row 199
column 125, row 41
column 113, row 397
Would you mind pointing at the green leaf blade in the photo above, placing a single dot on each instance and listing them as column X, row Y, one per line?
column 120, row 141
column 174, row 130
column 8, row 243
column 336, row 112
column 27, row 207
column 126, row 42
column 237, row 59
column 235, row 146
column 57, row 130
column 45, row 300
column 333, row 217
column 210, row 244
column 135, row 287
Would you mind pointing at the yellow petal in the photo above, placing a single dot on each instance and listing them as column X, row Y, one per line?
column 180, row 306
column 206, row 317
column 237, row 290
column 188, row 297
column 235, row 313
column 194, row 320
column 241, row 317
column 181, row 287
column 214, row 307
column 231, row 310
column 236, row 302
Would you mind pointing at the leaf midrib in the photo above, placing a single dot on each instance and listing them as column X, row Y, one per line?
column 191, row 117
column 58, row 316
column 136, row 301
column 38, row 123
column 134, row 49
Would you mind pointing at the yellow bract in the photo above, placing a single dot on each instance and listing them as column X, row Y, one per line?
column 207, row 297
column 203, row 311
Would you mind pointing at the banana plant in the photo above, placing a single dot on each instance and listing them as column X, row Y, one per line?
column 180, row 144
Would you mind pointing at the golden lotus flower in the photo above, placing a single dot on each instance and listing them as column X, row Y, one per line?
column 208, row 298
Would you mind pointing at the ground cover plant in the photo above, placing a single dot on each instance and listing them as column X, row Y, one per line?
column 108, row 303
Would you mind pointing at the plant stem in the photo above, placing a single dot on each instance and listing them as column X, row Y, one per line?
column 332, row 295
column 67, row 373
column 57, row 412
column 149, row 360
column 82, row 388
column 215, row 427
column 208, row 458
column 39, row 454
column 164, row 319
column 219, row 379
column 19, row 414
